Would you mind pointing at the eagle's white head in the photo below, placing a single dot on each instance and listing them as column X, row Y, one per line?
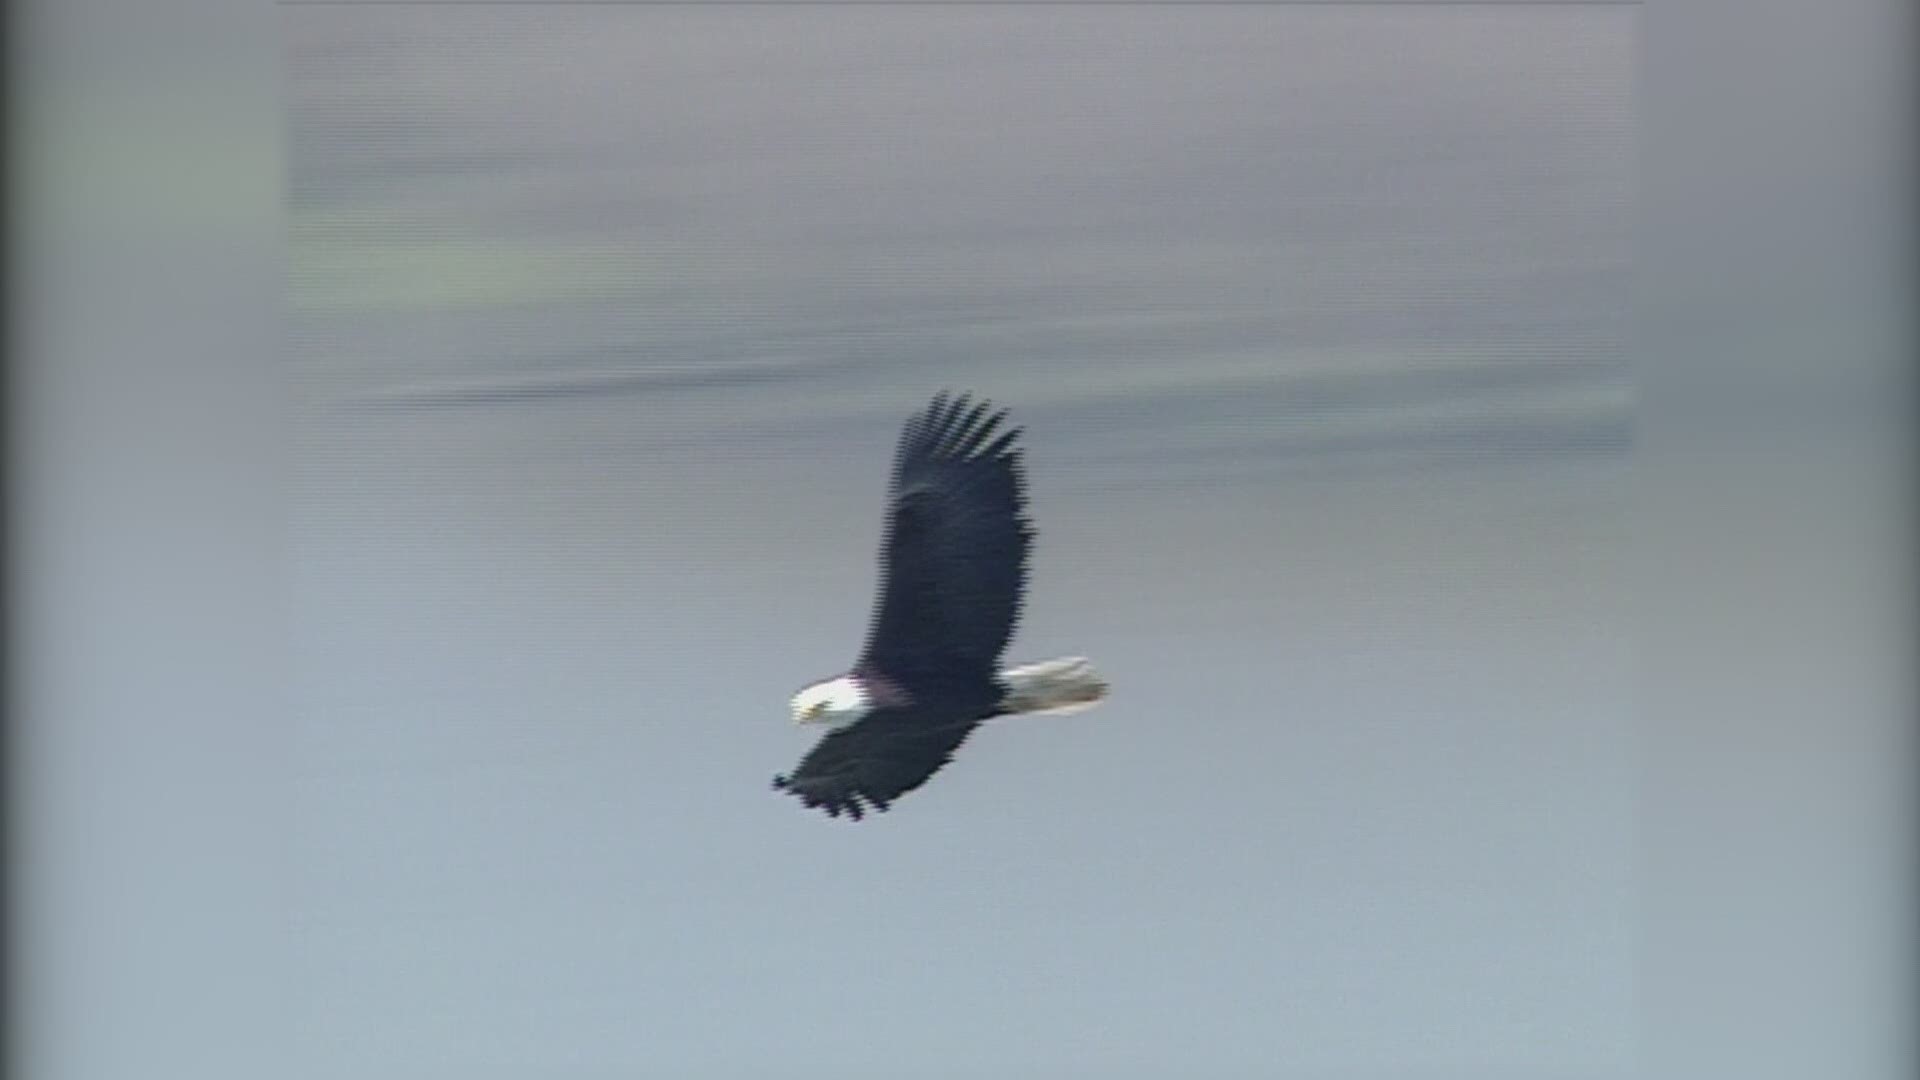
column 834, row 703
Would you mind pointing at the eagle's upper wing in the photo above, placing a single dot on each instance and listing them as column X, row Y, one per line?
column 953, row 556
column 875, row 761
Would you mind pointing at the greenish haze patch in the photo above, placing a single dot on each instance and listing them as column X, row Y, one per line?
column 356, row 269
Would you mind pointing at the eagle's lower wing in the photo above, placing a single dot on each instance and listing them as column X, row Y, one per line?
column 954, row 555
column 870, row 764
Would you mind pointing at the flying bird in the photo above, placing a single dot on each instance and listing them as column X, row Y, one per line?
column 953, row 569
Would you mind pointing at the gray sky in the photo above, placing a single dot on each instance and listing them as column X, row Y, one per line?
column 603, row 320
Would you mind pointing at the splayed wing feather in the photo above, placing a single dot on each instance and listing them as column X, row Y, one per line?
column 867, row 766
column 955, row 546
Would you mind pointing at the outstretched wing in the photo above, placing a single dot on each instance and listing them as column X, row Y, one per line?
column 870, row 764
column 953, row 556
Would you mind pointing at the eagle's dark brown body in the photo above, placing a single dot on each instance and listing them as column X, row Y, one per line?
column 953, row 572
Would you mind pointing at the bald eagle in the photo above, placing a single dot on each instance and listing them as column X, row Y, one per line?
column 953, row 568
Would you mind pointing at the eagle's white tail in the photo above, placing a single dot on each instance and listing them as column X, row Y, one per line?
column 1066, row 685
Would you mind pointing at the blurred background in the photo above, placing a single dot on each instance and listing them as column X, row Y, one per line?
column 445, row 434
column 604, row 321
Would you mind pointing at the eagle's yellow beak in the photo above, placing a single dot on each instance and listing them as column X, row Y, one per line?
column 809, row 714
